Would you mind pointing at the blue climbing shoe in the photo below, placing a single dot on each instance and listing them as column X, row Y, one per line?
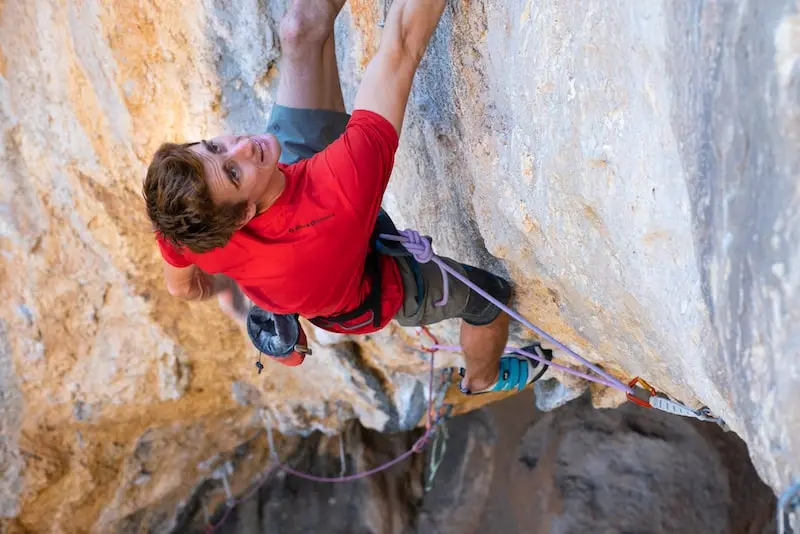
column 516, row 372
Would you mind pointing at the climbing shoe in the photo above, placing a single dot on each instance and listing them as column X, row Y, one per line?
column 516, row 372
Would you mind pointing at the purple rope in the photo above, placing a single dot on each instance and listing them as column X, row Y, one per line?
column 426, row 254
column 417, row 447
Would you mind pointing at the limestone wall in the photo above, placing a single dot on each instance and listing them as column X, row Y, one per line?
column 633, row 167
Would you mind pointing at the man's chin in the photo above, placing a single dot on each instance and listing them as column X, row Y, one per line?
column 274, row 146
column 270, row 148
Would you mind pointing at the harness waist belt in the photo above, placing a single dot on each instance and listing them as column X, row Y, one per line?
column 372, row 268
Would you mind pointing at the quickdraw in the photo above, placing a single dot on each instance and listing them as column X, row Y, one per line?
column 646, row 396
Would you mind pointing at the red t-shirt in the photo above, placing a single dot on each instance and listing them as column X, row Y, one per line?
column 306, row 253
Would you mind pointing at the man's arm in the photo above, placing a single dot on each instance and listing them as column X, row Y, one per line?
column 388, row 78
column 191, row 283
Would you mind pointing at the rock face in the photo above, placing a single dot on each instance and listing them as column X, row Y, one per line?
column 511, row 469
column 633, row 168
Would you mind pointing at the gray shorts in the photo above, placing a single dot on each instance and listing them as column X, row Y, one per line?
column 304, row 132
column 423, row 286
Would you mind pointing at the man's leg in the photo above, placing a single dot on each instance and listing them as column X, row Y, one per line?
column 484, row 327
column 309, row 76
column 483, row 346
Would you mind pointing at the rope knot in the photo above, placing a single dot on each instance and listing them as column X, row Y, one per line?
column 418, row 246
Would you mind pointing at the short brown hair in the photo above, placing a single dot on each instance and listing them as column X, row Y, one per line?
column 179, row 202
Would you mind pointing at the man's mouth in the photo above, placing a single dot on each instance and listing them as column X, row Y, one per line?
column 260, row 148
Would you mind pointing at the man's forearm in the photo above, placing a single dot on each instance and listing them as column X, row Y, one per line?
column 205, row 286
column 388, row 79
column 411, row 23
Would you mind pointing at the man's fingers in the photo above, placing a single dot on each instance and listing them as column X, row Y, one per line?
column 234, row 303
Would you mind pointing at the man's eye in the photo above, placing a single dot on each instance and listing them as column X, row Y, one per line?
column 213, row 147
column 233, row 172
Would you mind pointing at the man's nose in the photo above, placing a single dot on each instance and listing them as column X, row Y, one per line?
column 243, row 147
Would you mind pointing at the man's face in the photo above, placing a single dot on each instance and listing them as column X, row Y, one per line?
column 239, row 168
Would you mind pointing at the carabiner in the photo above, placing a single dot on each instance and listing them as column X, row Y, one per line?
column 642, row 393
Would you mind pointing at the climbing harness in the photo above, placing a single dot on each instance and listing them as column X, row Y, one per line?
column 370, row 309
column 788, row 503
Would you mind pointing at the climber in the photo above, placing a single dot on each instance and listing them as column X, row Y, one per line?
column 289, row 218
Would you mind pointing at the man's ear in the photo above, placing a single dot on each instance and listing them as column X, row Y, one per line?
column 248, row 214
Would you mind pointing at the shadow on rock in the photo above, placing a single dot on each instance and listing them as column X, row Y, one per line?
column 509, row 468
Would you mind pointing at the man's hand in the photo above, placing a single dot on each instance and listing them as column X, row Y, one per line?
column 191, row 283
column 234, row 303
column 388, row 78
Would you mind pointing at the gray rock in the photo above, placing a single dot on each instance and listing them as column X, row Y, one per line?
column 552, row 394
column 632, row 167
column 641, row 162
column 12, row 463
column 633, row 470
column 385, row 503
column 462, row 484
column 508, row 468
column 736, row 114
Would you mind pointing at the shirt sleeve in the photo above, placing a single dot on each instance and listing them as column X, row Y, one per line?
column 361, row 160
column 170, row 255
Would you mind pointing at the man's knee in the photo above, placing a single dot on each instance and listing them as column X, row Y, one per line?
column 306, row 26
column 479, row 311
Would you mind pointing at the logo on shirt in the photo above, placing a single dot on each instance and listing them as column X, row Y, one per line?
column 310, row 223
